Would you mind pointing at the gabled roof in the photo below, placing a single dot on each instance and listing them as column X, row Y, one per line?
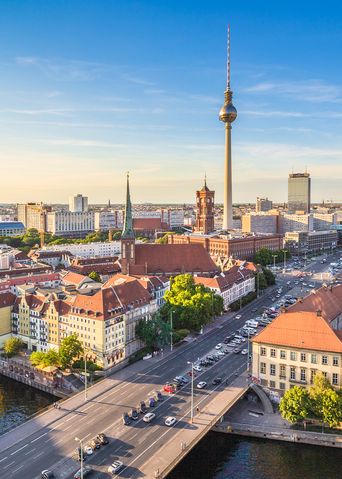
column 225, row 280
column 328, row 300
column 302, row 330
column 7, row 299
column 75, row 278
column 172, row 259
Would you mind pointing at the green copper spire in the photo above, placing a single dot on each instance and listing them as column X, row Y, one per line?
column 128, row 231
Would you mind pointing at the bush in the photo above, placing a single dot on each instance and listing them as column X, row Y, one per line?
column 139, row 355
column 12, row 346
column 245, row 300
column 180, row 334
column 91, row 367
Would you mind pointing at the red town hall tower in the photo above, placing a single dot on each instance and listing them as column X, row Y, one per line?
column 204, row 210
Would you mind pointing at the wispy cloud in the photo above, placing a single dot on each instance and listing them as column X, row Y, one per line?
column 65, row 70
column 81, row 143
column 274, row 113
column 307, row 90
column 38, row 111
column 137, row 80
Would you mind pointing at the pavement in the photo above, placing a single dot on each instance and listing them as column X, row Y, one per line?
column 48, row 440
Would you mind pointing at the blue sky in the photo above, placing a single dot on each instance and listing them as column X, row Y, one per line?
column 91, row 89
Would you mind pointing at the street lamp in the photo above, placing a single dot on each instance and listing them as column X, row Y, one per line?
column 284, row 251
column 274, row 258
column 192, row 392
column 81, row 446
column 85, row 378
column 171, row 332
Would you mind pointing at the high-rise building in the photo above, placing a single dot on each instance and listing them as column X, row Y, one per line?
column 299, row 192
column 67, row 223
column 228, row 114
column 33, row 215
column 260, row 223
column 204, row 210
column 78, row 204
column 263, row 204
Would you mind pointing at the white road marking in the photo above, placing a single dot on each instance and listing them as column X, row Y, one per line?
column 4, row 459
column 15, row 452
column 34, row 440
column 8, row 465
column 30, row 451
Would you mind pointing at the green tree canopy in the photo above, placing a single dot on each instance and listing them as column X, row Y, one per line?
column 12, row 346
column 50, row 358
column 331, row 402
column 295, row 405
column 95, row 276
column 192, row 305
column 155, row 332
column 71, row 348
column 265, row 256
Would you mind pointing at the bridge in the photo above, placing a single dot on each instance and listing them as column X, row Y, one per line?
column 48, row 440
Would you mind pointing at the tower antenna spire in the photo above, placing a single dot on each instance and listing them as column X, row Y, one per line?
column 228, row 58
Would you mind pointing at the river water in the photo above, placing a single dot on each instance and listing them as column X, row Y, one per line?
column 217, row 456
column 18, row 402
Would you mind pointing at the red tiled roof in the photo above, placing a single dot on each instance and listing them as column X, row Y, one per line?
column 302, row 330
column 74, row 278
column 326, row 299
column 147, row 223
column 172, row 259
column 225, row 280
column 7, row 299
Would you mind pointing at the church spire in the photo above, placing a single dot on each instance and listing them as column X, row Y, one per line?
column 128, row 231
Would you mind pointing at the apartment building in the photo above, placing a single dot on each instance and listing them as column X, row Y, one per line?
column 67, row 223
column 300, row 342
column 88, row 250
column 11, row 228
column 33, row 215
column 260, row 223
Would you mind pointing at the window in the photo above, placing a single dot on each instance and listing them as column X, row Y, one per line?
column 335, row 361
column 282, row 386
column 282, row 372
column 282, row 354
column 325, row 374
column 314, row 358
column 293, row 373
column 303, row 357
column 264, row 382
column 272, row 369
column 272, row 384
column 312, row 375
column 324, row 359
column 273, row 353
column 303, row 374
column 263, row 368
column 293, row 356
column 335, row 379
column 262, row 351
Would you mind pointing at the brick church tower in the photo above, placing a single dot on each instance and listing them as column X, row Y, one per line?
column 204, row 210
column 128, row 236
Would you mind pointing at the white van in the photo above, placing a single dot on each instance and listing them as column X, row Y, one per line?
column 252, row 323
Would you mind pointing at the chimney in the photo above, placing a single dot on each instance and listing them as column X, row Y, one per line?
column 319, row 313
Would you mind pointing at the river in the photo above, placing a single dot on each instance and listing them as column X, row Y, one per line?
column 217, row 456
column 18, row 402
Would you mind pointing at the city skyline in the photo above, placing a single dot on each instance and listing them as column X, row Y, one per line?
column 111, row 90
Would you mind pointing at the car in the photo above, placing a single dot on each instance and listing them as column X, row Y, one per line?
column 254, row 310
column 151, row 402
column 238, row 316
column 170, row 421
column 102, row 438
column 236, row 351
column 47, row 474
column 115, row 467
column 95, row 444
column 184, row 379
column 134, row 414
column 142, row 408
column 221, row 353
column 86, row 471
column 201, row 384
column 169, row 388
column 218, row 346
column 216, row 381
column 244, row 351
column 149, row 417
column 88, row 450
column 126, row 419
column 197, row 368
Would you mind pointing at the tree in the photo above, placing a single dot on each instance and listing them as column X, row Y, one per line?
column 154, row 332
column 31, row 237
column 295, row 405
column 163, row 239
column 71, row 348
column 50, row 358
column 192, row 305
column 12, row 346
column 269, row 276
column 95, row 276
column 316, row 392
column 37, row 358
column 260, row 281
column 331, row 407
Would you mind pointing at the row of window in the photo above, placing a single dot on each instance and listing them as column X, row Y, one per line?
column 303, row 357
column 303, row 373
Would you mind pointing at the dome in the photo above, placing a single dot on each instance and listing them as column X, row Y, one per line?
column 228, row 113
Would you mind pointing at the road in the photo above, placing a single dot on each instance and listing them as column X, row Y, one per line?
column 53, row 446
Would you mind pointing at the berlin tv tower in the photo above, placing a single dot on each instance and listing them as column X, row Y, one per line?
column 228, row 114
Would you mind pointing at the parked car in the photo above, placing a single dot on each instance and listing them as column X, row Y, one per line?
column 236, row 351
column 88, row 450
column 159, row 396
column 102, row 438
column 169, row 388
column 201, row 384
column 244, row 351
column 152, row 402
column 238, row 316
column 95, row 444
column 197, row 368
column 142, row 407
column 170, row 421
column 134, row 414
column 218, row 346
column 115, row 467
column 86, row 471
column 149, row 417
column 126, row 419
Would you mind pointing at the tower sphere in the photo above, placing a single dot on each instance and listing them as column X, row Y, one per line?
column 228, row 113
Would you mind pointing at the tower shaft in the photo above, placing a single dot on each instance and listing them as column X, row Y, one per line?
column 227, row 194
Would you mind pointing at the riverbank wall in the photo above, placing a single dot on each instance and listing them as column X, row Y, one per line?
column 280, row 434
